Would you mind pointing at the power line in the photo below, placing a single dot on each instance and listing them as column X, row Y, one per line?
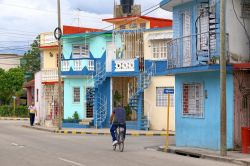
column 43, row 10
column 154, row 8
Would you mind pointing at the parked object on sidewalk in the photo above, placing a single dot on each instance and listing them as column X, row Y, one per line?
column 245, row 136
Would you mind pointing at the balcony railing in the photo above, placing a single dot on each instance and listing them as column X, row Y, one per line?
column 78, row 65
column 49, row 75
column 125, row 65
column 194, row 50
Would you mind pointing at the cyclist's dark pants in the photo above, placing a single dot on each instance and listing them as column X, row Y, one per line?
column 114, row 127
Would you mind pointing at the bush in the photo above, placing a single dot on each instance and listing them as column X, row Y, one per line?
column 8, row 111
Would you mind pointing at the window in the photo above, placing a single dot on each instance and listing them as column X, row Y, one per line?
column 77, row 65
column 186, row 43
column 122, row 27
column 81, row 51
column 162, row 99
column 192, row 99
column 76, row 93
column 159, row 49
column 91, row 65
column 143, row 25
column 37, row 95
column 65, row 65
column 133, row 25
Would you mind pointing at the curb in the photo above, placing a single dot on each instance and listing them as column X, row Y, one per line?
column 75, row 132
column 16, row 119
column 205, row 156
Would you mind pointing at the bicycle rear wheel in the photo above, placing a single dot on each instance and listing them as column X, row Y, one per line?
column 121, row 146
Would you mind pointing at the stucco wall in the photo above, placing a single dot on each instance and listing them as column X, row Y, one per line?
column 204, row 132
column 38, row 99
column 158, row 115
column 238, row 42
column 49, row 61
column 69, row 106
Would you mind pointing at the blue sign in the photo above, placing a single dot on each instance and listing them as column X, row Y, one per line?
column 169, row 91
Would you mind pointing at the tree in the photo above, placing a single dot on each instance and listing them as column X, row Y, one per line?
column 11, row 83
column 30, row 63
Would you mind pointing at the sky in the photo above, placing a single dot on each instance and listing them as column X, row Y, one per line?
column 22, row 20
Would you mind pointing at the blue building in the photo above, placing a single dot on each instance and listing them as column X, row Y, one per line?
column 193, row 57
column 83, row 54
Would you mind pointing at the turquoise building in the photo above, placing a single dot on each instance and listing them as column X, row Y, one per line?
column 83, row 54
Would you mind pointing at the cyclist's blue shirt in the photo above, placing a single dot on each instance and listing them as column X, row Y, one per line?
column 120, row 115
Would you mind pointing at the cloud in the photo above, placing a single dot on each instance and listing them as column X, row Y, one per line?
column 23, row 20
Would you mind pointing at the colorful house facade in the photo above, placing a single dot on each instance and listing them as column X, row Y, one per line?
column 155, row 101
column 193, row 57
column 102, row 68
column 82, row 54
column 46, row 81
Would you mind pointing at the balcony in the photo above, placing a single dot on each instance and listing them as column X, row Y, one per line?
column 125, row 65
column 78, row 67
column 195, row 50
column 50, row 75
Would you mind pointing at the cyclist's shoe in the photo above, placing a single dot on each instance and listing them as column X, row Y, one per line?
column 114, row 142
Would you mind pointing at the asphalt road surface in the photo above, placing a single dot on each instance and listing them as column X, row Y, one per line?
column 28, row 147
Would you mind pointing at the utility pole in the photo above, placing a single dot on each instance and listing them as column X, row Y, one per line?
column 223, row 112
column 59, row 67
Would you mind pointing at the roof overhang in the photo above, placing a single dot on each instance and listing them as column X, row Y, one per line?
column 241, row 66
column 169, row 4
column 123, row 19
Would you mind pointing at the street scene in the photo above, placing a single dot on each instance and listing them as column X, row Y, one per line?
column 128, row 82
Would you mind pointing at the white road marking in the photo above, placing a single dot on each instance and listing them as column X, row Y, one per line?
column 14, row 144
column 72, row 162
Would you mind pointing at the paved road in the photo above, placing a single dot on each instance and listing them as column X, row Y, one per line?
column 27, row 147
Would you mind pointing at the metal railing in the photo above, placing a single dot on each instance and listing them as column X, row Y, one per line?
column 194, row 50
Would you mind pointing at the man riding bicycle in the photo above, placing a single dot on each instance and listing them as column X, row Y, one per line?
column 117, row 119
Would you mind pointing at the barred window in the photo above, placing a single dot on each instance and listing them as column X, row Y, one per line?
column 81, row 51
column 193, row 99
column 162, row 99
column 76, row 93
column 159, row 49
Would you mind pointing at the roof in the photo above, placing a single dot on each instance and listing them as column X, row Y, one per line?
column 112, row 20
column 75, row 30
column 48, row 47
column 169, row 4
column 104, row 33
column 241, row 66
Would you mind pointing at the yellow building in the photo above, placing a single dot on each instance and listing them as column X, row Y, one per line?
column 46, row 81
column 155, row 101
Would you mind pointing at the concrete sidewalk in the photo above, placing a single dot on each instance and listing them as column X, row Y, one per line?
column 232, row 156
column 94, row 131
column 17, row 119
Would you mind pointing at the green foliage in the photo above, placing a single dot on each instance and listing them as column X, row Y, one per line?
column 128, row 112
column 8, row 111
column 11, row 84
column 76, row 116
column 30, row 63
column 117, row 97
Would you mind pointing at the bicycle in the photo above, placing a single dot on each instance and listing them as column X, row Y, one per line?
column 119, row 133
